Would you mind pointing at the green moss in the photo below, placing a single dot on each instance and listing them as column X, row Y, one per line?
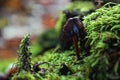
column 103, row 40
column 23, row 76
column 103, row 36
column 24, row 65
column 101, row 63
column 55, row 63
column 24, row 55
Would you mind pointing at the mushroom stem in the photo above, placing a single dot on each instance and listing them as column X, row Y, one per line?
column 76, row 47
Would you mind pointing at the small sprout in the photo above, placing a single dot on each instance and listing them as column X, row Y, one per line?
column 24, row 55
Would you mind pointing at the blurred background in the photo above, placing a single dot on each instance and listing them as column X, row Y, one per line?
column 19, row 17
